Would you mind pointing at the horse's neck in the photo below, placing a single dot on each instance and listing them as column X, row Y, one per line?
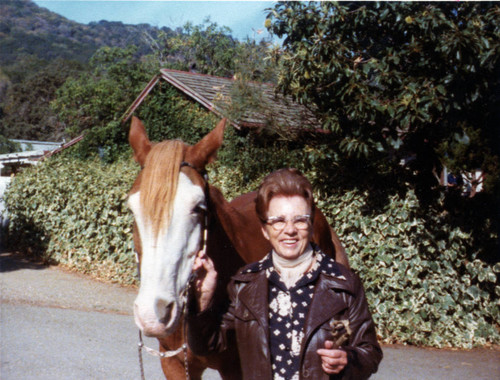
column 241, row 230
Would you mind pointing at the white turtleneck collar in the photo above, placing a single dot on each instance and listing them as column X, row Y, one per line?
column 292, row 270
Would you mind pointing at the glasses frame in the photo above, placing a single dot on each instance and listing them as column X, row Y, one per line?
column 269, row 221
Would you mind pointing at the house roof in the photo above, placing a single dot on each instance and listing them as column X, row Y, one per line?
column 38, row 145
column 40, row 150
column 215, row 94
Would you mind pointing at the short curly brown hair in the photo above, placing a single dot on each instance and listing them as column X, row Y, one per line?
column 288, row 182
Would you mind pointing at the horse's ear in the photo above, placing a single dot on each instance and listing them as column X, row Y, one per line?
column 205, row 150
column 139, row 141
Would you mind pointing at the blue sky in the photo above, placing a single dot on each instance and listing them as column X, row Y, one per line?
column 244, row 18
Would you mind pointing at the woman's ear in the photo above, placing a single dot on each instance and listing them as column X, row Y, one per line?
column 264, row 232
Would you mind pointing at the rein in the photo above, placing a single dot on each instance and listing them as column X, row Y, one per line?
column 183, row 295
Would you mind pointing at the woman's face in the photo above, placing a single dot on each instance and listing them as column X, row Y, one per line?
column 293, row 239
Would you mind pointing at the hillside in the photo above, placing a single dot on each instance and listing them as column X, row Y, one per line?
column 27, row 29
column 39, row 50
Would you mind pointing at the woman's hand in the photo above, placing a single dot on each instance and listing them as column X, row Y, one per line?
column 206, row 279
column 333, row 360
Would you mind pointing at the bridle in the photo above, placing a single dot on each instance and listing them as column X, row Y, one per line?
column 183, row 294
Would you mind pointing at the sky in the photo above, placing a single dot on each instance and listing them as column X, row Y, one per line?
column 245, row 18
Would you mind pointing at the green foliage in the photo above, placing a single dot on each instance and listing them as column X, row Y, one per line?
column 8, row 146
column 424, row 279
column 94, row 102
column 252, row 69
column 74, row 212
column 25, row 107
column 252, row 63
column 394, row 79
column 210, row 49
column 247, row 157
column 167, row 114
column 101, row 95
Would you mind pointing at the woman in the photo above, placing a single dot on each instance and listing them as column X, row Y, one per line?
column 286, row 308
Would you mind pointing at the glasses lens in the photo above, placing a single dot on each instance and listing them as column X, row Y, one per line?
column 300, row 222
column 277, row 224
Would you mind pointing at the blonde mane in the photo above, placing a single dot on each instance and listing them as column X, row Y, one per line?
column 159, row 182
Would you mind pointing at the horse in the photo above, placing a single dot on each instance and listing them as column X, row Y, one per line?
column 177, row 213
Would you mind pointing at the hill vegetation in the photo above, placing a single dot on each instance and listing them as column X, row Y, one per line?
column 39, row 50
column 29, row 30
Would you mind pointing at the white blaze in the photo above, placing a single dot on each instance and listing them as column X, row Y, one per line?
column 167, row 259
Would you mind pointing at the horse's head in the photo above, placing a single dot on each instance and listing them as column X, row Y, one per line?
column 168, row 200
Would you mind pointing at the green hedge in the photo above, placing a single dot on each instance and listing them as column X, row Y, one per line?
column 74, row 212
column 424, row 287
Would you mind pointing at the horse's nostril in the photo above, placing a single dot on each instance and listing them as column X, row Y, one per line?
column 165, row 311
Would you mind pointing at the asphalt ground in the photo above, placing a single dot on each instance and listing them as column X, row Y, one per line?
column 61, row 325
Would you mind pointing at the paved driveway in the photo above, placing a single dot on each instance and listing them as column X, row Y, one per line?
column 60, row 325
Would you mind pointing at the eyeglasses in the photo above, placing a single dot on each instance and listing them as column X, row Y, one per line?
column 278, row 223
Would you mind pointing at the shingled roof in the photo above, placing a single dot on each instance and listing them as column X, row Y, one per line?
column 214, row 93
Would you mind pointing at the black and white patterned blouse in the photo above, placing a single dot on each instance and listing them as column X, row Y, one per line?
column 287, row 313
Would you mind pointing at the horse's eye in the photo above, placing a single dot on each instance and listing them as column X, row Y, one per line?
column 199, row 209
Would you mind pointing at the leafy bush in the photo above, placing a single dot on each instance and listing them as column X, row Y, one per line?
column 74, row 212
column 169, row 115
column 423, row 284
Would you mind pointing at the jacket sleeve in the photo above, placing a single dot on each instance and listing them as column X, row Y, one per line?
column 363, row 352
column 209, row 331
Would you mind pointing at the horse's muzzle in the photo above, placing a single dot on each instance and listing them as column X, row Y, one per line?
column 157, row 322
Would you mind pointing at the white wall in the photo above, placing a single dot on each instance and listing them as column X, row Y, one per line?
column 4, row 181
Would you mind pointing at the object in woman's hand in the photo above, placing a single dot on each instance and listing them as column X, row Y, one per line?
column 340, row 332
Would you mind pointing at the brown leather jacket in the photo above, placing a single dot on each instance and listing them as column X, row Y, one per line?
column 336, row 296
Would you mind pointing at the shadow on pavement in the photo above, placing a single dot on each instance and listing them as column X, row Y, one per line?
column 10, row 262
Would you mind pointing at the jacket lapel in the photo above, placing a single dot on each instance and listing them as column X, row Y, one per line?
column 326, row 303
column 254, row 297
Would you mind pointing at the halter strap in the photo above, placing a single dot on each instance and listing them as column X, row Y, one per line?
column 202, row 172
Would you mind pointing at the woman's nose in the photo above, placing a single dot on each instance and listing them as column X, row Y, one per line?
column 290, row 227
